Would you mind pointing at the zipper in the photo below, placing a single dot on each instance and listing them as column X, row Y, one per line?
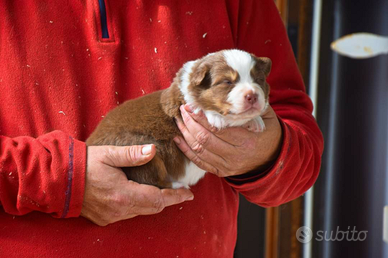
column 104, row 22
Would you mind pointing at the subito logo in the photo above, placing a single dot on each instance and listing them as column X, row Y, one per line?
column 304, row 234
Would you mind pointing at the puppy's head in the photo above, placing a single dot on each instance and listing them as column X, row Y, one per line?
column 231, row 83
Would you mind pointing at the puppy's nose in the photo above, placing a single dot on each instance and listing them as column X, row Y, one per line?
column 251, row 98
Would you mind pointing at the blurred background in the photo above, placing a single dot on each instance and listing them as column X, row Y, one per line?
column 344, row 210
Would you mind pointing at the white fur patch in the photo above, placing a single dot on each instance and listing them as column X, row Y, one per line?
column 192, row 176
column 236, row 96
column 185, row 82
column 219, row 121
column 215, row 119
column 242, row 62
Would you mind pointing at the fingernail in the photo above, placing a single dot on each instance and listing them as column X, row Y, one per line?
column 188, row 108
column 177, row 140
column 146, row 150
column 190, row 198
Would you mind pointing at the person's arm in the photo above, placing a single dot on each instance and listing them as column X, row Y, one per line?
column 297, row 166
column 45, row 174
column 283, row 162
column 58, row 175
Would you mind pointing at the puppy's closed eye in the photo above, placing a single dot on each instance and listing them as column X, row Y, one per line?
column 228, row 82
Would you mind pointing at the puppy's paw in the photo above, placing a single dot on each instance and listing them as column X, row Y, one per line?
column 255, row 125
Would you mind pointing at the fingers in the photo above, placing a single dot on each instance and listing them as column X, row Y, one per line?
column 147, row 200
column 129, row 156
column 198, row 137
column 131, row 200
column 110, row 197
column 176, row 196
column 197, row 158
column 234, row 136
column 199, row 117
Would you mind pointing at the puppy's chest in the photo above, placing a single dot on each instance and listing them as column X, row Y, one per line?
column 192, row 175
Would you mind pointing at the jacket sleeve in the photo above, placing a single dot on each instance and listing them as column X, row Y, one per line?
column 45, row 174
column 258, row 29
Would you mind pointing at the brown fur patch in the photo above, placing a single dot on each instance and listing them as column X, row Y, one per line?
column 143, row 121
column 260, row 72
column 216, row 81
column 172, row 98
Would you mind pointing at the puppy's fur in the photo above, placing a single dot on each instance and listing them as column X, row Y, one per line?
column 228, row 86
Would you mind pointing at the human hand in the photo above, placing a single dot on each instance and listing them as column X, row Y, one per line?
column 111, row 197
column 230, row 151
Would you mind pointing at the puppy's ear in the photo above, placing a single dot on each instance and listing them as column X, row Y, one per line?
column 263, row 64
column 261, row 71
column 200, row 76
column 172, row 98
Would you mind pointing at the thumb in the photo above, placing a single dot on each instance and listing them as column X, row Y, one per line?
column 129, row 156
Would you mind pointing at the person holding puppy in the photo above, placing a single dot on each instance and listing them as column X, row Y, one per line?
column 64, row 66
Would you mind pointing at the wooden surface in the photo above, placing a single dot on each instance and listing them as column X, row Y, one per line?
column 272, row 232
column 282, row 222
column 283, row 9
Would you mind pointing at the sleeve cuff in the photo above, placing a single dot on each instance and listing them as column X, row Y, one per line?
column 75, row 179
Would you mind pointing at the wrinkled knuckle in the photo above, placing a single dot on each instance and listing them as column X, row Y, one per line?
column 214, row 171
column 130, row 204
column 133, row 154
column 197, row 148
column 118, row 200
column 186, row 150
column 186, row 119
column 184, row 130
column 181, row 127
column 214, row 129
column 107, row 151
column 203, row 137
column 178, row 197
column 218, row 172
column 197, row 161
column 121, row 204
column 109, row 154
column 158, row 205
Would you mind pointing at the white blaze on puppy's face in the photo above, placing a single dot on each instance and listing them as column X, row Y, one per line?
column 247, row 97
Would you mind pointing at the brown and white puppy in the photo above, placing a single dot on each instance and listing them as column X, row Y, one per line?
column 229, row 86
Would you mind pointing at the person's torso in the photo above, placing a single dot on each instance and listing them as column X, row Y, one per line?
column 63, row 68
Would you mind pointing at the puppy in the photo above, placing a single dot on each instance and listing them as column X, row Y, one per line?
column 229, row 86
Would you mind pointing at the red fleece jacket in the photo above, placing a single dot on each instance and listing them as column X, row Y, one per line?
column 59, row 76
